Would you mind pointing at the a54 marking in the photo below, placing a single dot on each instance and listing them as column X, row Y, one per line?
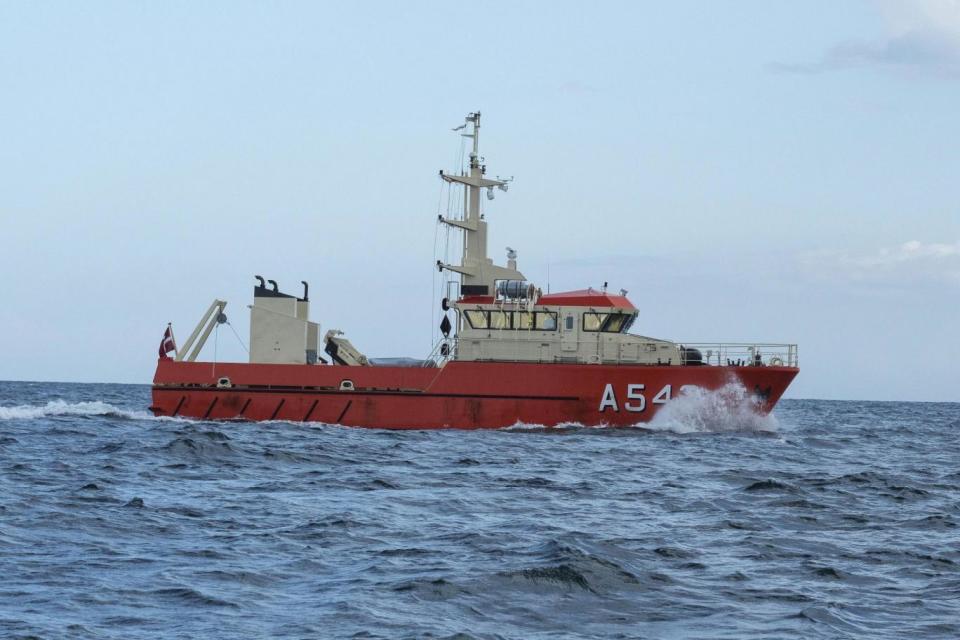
column 635, row 401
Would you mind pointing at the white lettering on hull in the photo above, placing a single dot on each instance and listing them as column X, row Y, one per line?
column 609, row 399
column 635, row 392
column 663, row 397
column 636, row 400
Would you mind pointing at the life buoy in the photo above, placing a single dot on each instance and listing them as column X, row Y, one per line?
column 776, row 362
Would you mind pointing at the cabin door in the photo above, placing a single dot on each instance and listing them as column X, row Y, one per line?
column 568, row 333
column 545, row 354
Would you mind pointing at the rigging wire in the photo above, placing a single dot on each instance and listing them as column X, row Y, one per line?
column 434, row 272
column 240, row 340
column 454, row 211
column 216, row 342
column 446, row 245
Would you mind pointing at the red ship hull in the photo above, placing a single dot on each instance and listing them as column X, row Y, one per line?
column 460, row 395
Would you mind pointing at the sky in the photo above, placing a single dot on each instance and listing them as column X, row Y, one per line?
column 748, row 171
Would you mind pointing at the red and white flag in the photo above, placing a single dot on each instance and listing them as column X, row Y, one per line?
column 167, row 344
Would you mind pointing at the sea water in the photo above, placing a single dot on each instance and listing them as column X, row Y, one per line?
column 823, row 520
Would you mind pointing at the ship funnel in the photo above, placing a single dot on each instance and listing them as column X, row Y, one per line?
column 275, row 287
column 306, row 289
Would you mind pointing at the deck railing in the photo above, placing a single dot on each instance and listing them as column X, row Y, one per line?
column 744, row 354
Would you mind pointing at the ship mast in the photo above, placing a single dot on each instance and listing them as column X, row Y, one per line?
column 479, row 274
column 474, row 244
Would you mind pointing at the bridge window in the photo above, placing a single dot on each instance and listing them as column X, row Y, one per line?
column 614, row 323
column 522, row 319
column 594, row 321
column 546, row 320
column 607, row 322
column 499, row 320
column 478, row 319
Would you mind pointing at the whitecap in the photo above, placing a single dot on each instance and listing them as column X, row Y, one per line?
column 63, row 408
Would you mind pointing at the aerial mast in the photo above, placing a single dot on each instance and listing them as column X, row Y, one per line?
column 478, row 272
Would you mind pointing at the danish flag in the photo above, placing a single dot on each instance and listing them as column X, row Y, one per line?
column 167, row 344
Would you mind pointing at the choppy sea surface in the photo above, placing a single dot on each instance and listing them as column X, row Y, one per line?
column 824, row 520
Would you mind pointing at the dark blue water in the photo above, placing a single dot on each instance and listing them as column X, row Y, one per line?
column 830, row 520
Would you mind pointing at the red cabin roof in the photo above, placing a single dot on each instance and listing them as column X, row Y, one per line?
column 586, row 298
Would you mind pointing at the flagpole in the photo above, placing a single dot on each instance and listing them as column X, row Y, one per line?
column 176, row 349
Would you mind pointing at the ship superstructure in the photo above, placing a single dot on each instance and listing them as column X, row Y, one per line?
column 511, row 353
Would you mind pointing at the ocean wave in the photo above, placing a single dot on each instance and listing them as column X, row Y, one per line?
column 63, row 408
column 596, row 568
column 596, row 532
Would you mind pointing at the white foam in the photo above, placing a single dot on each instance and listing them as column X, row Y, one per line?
column 63, row 408
column 730, row 409
column 537, row 426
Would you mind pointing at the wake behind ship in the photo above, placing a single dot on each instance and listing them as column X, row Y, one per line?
column 508, row 353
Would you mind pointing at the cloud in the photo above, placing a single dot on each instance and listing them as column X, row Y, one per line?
column 910, row 15
column 923, row 37
column 911, row 263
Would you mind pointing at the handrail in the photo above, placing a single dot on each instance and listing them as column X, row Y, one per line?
column 746, row 353
column 436, row 355
column 711, row 353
